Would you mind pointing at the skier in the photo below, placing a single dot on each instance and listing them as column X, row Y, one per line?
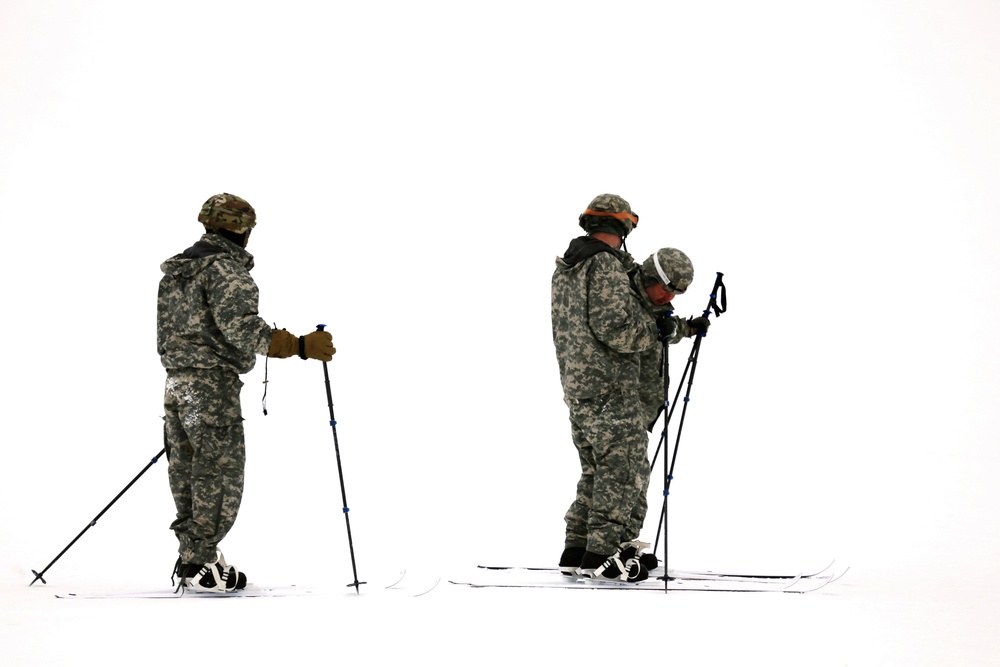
column 208, row 333
column 604, row 331
column 663, row 275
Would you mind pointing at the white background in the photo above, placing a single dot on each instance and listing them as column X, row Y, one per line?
column 416, row 168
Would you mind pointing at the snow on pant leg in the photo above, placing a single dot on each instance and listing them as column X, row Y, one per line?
column 610, row 426
column 203, row 417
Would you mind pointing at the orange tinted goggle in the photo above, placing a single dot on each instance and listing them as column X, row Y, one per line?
column 633, row 217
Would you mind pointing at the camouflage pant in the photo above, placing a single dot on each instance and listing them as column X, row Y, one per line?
column 610, row 504
column 203, row 433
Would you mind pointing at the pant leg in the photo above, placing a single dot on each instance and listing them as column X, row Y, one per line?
column 641, row 507
column 609, row 434
column 204, row 431
column 577, row 516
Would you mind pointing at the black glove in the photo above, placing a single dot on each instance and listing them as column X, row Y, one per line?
column 665, row 327
column 698, row 326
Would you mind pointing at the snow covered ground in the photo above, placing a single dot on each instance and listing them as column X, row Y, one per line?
column 416, row 167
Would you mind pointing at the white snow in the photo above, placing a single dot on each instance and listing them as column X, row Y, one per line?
column 416, row 167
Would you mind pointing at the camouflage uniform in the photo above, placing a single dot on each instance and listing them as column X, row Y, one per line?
column 599, row 327
column 650, row 397
column 680, row 278
column 650, row 363
column 208, row 332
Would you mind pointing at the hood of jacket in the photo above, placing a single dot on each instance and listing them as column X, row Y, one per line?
column 208, row 249
column 583, row 248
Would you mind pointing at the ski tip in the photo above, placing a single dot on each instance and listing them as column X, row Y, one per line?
column 399, row 578
column 433, row 586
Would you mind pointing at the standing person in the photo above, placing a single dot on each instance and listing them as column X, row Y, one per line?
column 600, row 327
column 208, row 333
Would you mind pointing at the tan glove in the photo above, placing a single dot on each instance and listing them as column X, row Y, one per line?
column 283, row 344
column 317, row 345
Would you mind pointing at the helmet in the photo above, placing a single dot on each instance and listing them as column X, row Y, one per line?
column 671, row 267
column 609, row 213
column 228, row 212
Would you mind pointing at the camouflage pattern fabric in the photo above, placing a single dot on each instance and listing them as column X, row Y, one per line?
column 598, row 321
column 650, row 361
column 207, row 309
column 203, row 433
column 228, row 212
column 609, row 213
column 599, row 327
column 678, row 272
column 208, row 332
column 651, row 386
column 610, row 503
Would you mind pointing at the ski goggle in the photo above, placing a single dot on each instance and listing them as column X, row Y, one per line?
column 623, row 216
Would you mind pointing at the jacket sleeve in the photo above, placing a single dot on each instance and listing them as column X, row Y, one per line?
column 681, row 330
column 614, row 312
column 232, row 299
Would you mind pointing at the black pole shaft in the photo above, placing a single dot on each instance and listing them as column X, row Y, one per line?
column 666, row 474
column 93, row 522
column 668, row 470
column 340, row 473
column 670, row 412
column 670, row 415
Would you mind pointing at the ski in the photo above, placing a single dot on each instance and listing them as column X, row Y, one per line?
column 248, row 592
column 403, row 583
column 510, row 577
column 704, row 585
column 696, row 574
column 748, row 575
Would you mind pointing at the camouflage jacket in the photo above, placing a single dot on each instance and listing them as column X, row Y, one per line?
column 206, row 313
column 599, row 324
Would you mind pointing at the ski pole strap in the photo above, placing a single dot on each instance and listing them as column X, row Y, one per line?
column 718, row 297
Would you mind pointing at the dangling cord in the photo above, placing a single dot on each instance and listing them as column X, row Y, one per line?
column 263, row 399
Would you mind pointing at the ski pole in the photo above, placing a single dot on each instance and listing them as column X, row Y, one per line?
column 93, row 522
column 718, row 294
column 670, row 414
column 713, row 305
column 340, row 472
column 667, row 410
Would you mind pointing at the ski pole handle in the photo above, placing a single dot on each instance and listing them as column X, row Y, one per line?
column 320, row 327
column 718, row 295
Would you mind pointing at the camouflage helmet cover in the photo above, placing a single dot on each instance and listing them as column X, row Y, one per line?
column 609, row 212
column 671, row 268
column 226, row 211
